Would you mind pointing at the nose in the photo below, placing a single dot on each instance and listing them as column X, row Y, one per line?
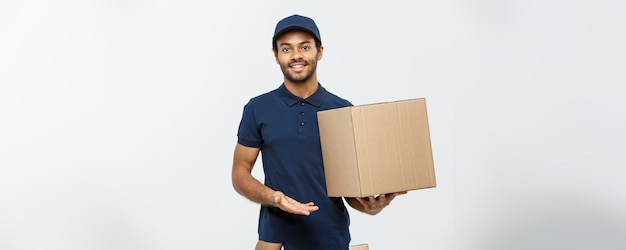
column 297, row 54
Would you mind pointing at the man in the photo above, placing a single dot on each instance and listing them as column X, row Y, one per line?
column 296, row 212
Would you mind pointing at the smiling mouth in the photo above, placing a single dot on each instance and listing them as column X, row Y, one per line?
column 297, row 67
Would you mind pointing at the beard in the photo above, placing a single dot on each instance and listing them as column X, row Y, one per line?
column 302, row 76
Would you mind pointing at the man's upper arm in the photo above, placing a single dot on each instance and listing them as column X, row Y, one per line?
column 244, row 157
column 242, row 179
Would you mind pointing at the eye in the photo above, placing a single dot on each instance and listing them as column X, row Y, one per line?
column 286, row 50
column 305, row 48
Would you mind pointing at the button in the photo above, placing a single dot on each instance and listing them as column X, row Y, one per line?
column 301, row 103
column 302, row 113
column 302, row 124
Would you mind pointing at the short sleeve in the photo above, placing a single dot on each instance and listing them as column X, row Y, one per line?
column 249, row 133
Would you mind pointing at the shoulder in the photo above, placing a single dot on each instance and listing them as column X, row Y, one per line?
column 262, row 99
column 336, row 101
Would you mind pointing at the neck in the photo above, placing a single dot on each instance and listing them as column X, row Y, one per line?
column 302, row 89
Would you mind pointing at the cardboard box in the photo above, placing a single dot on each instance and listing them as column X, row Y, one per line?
column 376, row 148
column 359, row 247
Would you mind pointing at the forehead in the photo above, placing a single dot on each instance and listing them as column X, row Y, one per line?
column 295, row 37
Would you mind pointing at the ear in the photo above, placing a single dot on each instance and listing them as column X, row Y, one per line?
column 320, row 52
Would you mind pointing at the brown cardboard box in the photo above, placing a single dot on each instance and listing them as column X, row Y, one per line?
column 376, row 148
column 359, row 247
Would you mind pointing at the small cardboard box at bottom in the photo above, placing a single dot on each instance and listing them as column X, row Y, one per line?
column 376, row 148
column 359, row 247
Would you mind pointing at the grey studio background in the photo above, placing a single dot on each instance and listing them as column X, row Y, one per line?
column 119, row 119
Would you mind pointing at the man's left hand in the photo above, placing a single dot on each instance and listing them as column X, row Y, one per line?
column 373, row 205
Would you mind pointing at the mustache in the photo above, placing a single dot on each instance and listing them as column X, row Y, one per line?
column 298, row 62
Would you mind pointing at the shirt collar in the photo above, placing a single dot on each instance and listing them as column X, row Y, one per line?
column 290, row 99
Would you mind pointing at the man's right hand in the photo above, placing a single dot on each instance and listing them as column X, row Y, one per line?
column 290, row 205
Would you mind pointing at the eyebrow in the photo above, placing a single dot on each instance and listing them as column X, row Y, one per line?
column 287, row 44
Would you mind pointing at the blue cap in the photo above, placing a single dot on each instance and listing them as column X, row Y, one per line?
column 296, row 22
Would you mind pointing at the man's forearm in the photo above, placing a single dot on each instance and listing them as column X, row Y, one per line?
column 251, row 188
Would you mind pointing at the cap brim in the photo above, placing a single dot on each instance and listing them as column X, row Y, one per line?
column 292, row 28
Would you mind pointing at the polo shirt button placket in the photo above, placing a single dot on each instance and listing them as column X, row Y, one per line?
column 302, row 118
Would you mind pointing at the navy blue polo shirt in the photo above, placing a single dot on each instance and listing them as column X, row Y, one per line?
column 285, row 128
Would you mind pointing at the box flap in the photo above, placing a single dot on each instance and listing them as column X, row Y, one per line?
column 338, row 152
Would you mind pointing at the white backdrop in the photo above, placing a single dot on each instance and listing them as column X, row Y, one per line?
column 118, row 119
